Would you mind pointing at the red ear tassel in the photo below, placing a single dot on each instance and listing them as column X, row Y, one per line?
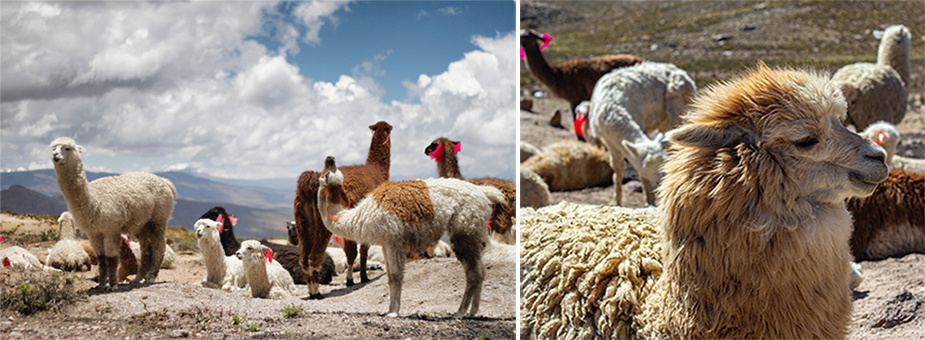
column 579, row 123
column 268, row 256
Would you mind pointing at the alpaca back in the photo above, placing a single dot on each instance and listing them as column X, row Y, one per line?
column 128, row 202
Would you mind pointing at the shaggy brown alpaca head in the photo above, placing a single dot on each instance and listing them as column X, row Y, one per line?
column 769, row 145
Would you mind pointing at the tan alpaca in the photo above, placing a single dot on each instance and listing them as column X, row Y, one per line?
column 750, row 239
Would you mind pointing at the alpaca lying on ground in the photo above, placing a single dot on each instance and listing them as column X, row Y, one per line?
column 288, row 257
column 444, row 152
column 170, row 256
column 413, row 215
column 359, row 180
column 68, row 254
column 230, row 243
column 533, row 190
column 137, row 203
column 19, row 258
column 750, row 237
column 528, row 150
column 886, row 135
column 891, row 221
column 225, row 272
column 89, row 250
column 267, row 278
column 572, row 80
column 627, row 104
column 571, row 165
column 130, row 256
column 878, row 91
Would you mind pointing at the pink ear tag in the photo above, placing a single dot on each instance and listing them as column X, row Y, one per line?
column 387, row 138
column 125, row 240
column 437, row 154
column 546, row 39
column 268, row 256
column 234, row 220
column 457, row 147
column 221, row 223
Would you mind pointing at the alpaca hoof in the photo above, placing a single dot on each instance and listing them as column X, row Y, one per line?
column 315, row 296
column 100, row 289
column 391, row 315
column 364, row 279
column 350, row 283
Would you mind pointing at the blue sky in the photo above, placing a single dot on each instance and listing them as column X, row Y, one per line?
column 258, row 90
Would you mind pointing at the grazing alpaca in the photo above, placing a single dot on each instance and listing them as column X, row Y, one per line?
column 627, row 104
column 891, row 221
column 225, row 272
column 412, row 215
column 230, row 243
column 288, row 257
column 267, row 278
column 750, row 237
column 878, row 91
column 358, row 180
column 572, row 80
column 444, row 151
column 68, row 254
column 136, row 203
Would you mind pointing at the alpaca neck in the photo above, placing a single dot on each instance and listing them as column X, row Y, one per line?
column 67, row 231
column 76, row 190
column 379, row 153
column 539, row 67
column 214, row 257
column 896, row 57
column 448, row 167
column 343, row 226
column 257, row 276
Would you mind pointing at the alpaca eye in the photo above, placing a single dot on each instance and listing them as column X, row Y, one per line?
column 806, row 142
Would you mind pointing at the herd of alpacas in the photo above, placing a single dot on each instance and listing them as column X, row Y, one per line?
column 759, row 200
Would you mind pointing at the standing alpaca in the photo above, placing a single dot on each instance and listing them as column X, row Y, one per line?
column 267, row 278
column 412, row 215
column 878, row 91
column 750, row 237
column 572, row 80
column 627, row 104
column 136, row 203
column 358, row 180
column 68, row 254
column 230, row 243
column 444, row 151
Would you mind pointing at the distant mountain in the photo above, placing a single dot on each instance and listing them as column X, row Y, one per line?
column 189, row 186
column 252, row 222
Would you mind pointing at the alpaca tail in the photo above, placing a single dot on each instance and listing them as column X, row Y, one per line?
column 493, row 194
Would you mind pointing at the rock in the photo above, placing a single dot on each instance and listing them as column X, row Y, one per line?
column 898, row 310
column 526, row 104
column 634, row 186
column 721, row 37
column 179, row 333
column 556, row 120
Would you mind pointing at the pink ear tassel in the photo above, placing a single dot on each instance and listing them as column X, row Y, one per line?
column 546, row 39
column 221, row 223
column 234, row 220
column 457, row 147
column 387, row 138
column 437, row 154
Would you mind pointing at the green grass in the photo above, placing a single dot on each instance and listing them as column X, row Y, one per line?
column 252, row 327
column 293, row 311
column 237, row 319
column 27, row 293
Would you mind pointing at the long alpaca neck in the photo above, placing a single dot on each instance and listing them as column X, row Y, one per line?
column 76, row 191
column 379, row 153
column 257, row 276
column 448, row 166
column 896, row 57
column 67, row 230
column 348, row 224
column 214, row 257
column 540, row 68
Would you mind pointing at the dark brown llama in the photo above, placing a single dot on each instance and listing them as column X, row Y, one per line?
column 358, row 181
column 572, row 80
column 443, row 151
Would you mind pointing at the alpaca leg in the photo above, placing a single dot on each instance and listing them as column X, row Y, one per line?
column 395, row 262
column 469, row 252
column 350, row 249
column 156, row 247
column 617, row 163
column 315, row 261
column 364, row 254
column 110, row 251
column 112, row 264
column 96, row 242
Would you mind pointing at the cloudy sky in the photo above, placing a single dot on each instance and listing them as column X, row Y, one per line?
column 258, row 90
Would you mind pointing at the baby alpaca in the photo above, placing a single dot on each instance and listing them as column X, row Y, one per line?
column 412, row 215
column 225, row 272
column 267, row 278
column 68, row 254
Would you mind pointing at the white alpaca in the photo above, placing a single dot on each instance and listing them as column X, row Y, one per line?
column 68, row 254
column 267, row 278
column 170, row 256
column 411, row 216
column 534, row 192
column 225, row 272
column 886, row 135
column 137, row 204
column 628, row 103
column 878, row 91
column 17, row 257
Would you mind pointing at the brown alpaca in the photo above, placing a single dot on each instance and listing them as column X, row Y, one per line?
column 891, row 222
column 572, row 80
column 750, row 239
column 358, row 181
column 443, row 151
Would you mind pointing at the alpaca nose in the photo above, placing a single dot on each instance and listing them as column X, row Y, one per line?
column 876, row 154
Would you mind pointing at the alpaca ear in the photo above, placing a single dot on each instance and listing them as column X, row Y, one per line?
column 80, row 149
column 457, row 146
column 711, row 136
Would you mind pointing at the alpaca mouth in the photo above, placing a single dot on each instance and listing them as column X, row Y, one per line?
column 861, row 182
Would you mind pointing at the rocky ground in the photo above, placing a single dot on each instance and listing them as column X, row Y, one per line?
column 821, row 35
column 179, row 307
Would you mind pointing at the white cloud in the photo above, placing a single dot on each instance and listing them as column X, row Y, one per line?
column 314, row 14
column 450, row 11
column 192, row 90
